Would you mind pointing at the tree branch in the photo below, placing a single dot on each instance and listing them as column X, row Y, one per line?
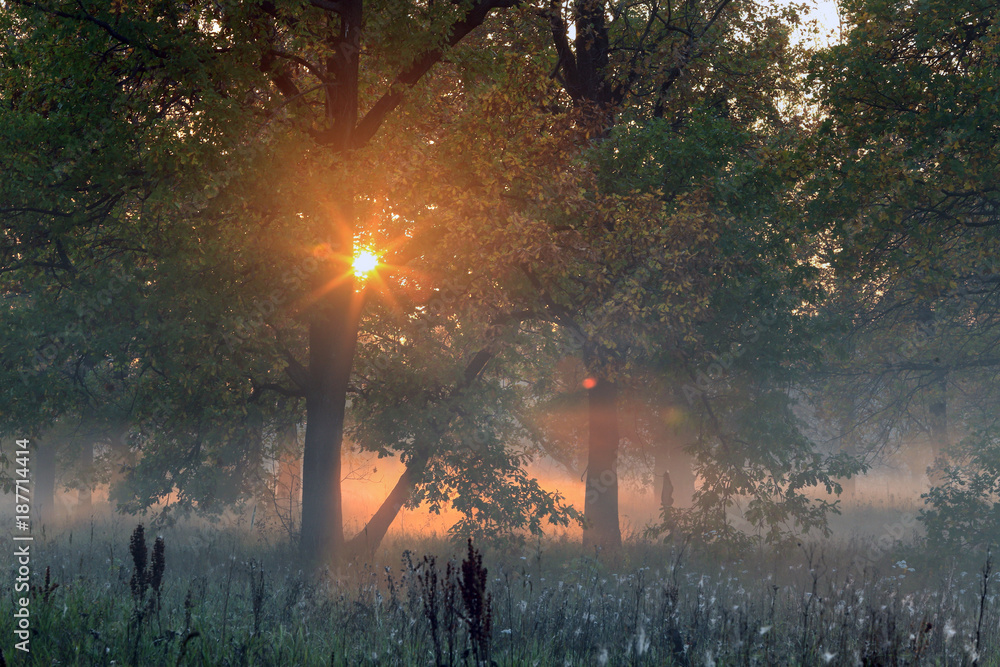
column 688, row 53
column 257, row 389
column 372, row 121
column 90, row 18
column 329, row 5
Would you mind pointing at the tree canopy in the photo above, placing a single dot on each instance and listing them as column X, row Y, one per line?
column 723, row 231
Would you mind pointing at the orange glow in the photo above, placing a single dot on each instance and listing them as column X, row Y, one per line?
column 365, row 262
column 589, row 383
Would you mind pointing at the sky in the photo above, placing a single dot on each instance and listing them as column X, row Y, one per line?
column 824, row 12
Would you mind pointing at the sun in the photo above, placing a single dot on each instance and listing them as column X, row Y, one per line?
column 364, row 262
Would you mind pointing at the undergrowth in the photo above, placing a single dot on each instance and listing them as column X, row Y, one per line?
column 210, row 597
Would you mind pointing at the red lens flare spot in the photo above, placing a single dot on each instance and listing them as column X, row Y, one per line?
column 589, row 383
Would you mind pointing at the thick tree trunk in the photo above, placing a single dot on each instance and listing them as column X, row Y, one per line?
column 600, row 509
column 334, row 319
column 332, row 343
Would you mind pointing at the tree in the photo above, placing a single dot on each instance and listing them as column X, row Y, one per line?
column 659, row 146
column 253, row 120
column 908, row 200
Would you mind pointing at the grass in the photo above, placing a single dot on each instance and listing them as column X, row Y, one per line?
column 229, row 597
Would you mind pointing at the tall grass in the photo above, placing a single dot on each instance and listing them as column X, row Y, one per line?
column 229, row 598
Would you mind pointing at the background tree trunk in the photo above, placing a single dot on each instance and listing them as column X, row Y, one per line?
column 671, row 459
column 288, row 494
column 43, row 469
column 600, row 511
column 938, row 419
column 85, row 495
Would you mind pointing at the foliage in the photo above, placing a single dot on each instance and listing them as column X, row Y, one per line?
column 215, row 235
column 903, row 175
column 652, row 199
column 962, row 510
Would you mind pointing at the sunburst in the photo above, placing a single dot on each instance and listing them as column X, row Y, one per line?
column 365, row 262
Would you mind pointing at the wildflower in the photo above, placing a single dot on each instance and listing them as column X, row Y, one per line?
column 828, row 657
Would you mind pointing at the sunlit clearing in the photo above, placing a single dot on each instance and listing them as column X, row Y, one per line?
column 364, row 262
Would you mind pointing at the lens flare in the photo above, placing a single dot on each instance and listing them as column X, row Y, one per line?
column 364, row 262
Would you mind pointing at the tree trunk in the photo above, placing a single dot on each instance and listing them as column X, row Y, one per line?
column 849, row 446
column 937, row 402
column 289, row 487
column 600, row 508
column 332, row 343
column 43, row 469
column 370, row 538
column 938, row 410
column 333, row 321
column 670, row 461
column 85, row 495
column 335, row 316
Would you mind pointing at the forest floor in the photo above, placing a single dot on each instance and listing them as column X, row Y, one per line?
column 229, row 595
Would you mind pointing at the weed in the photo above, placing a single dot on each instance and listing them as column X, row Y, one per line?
column 672, row 605
column 145, row 579
column 477, row 603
